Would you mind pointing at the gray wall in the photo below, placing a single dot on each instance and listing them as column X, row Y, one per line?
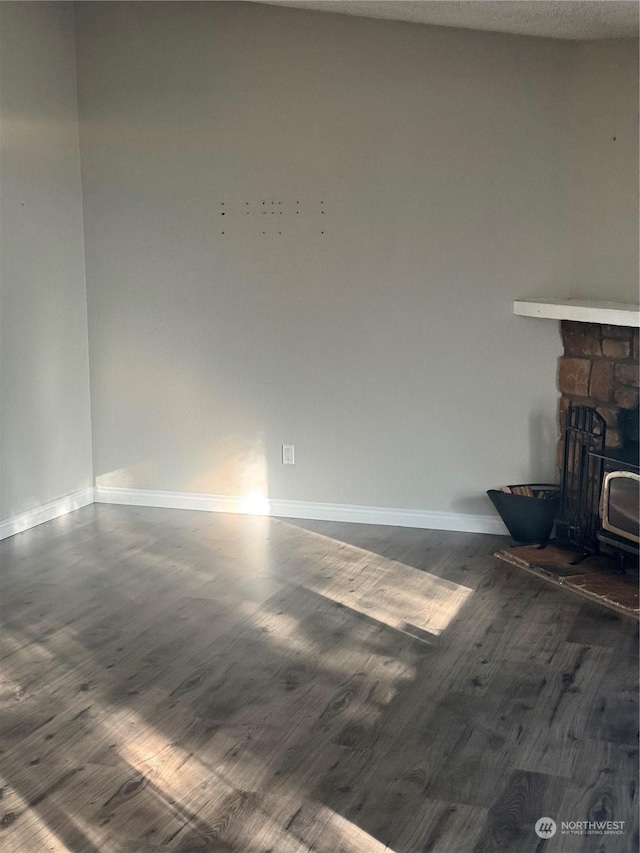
column 605, row 170
column 44, row 375
column 456, row 171
column 384, row 348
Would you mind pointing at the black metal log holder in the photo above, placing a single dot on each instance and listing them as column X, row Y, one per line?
column 528, row 511
column 579, row 521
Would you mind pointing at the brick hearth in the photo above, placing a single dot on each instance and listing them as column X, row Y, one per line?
column 599, row 368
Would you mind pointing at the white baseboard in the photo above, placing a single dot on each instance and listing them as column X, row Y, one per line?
column 425, row 519
column 310, row 510
column 45, row 512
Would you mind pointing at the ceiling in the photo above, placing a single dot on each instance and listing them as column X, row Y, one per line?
column 562, row 19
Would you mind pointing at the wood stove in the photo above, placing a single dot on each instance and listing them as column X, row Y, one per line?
column 600, row 486
column 620, row 501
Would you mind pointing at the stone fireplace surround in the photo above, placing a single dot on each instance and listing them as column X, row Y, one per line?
column 599, row 368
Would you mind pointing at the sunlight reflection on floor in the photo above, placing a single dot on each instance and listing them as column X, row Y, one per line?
column 382, row 589
column 173, row 772
column 228, row 778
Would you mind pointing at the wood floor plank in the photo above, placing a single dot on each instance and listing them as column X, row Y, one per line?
column 604, row 789
column 525, row 797
column 180, row 681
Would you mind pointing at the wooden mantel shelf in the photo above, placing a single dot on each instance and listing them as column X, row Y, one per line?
column 580, row 310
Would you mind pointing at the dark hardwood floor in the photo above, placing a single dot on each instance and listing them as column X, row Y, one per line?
column 180, row 681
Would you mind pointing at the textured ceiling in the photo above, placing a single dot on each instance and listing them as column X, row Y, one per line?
column 563, row 19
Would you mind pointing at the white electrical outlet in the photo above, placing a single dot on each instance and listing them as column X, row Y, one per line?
column 287, row 454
